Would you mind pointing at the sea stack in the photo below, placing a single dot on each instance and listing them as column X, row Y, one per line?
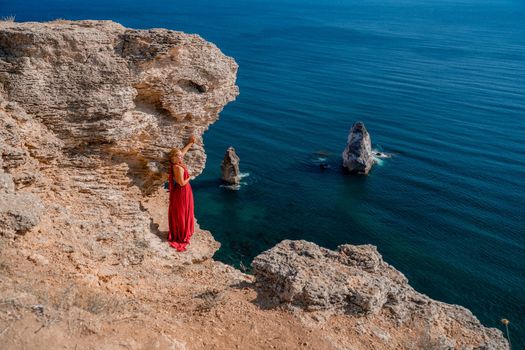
column 357, row 156
column 230, row 167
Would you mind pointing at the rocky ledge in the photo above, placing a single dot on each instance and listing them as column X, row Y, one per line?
column 88, row 112
column 355, row 281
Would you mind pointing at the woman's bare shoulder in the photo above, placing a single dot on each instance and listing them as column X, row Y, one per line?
column 178, row 167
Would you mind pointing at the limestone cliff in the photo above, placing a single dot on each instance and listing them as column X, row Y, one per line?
column 88, row 111
column 112, row 95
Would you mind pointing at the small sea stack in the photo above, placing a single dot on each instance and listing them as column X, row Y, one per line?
column 357, row 156
column 230, row 167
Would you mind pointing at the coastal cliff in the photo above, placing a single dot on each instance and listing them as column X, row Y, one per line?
column 88, row 112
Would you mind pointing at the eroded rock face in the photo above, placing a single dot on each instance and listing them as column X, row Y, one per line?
column 357, row 156
column 230, row 167
column 355, row 281
column 88, row 113
column 106, row 91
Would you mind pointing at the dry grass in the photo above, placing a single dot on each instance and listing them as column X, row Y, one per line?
column 63, row 306
column 10, row 18
column 60, row 20
column 210, row 299
column 97, row 303
column 10, row 311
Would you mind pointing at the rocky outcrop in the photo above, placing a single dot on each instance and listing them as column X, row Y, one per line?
column 357, row 156
column 113, row 95
column 230, row 167
column 355, row 281
column 19, row 210
column 89, row 111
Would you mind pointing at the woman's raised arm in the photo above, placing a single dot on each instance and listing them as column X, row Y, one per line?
column 188, row 145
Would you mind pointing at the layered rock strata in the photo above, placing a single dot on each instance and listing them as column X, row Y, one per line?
column 230, row 167
column 90, row 110
column 113, row 96
column 357, row 155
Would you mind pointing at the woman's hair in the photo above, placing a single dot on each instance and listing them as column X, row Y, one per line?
column 172, row 153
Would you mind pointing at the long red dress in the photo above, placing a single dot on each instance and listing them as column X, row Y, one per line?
column 180, row 212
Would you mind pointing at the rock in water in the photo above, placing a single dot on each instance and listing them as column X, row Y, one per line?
column 357, row 156
column 230, row 167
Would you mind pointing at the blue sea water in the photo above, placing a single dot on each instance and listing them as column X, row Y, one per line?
column 440, row 85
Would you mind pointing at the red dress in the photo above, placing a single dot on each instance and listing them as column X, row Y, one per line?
column 180, row 212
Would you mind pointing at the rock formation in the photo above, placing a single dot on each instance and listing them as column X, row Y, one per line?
column 230, row 167
column 88, row 111
column 355, row 281
column 115, row 96
column 357, row 156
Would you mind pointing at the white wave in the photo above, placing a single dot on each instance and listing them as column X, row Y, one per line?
column 379, row 154
column 379, row 161
column 234, row 187
column 238, row 186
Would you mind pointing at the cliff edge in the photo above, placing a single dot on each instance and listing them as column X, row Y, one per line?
column 88, row 112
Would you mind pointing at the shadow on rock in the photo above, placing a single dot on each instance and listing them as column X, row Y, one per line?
column 154, row 228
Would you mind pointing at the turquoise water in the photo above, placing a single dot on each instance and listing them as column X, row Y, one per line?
column 439, row 84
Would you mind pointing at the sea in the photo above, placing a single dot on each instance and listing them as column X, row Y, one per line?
column 440, row 86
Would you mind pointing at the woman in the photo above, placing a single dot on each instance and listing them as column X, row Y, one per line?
column 180, row 213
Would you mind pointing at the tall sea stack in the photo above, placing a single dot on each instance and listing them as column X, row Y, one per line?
column 357, row 156
column 230, row 167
